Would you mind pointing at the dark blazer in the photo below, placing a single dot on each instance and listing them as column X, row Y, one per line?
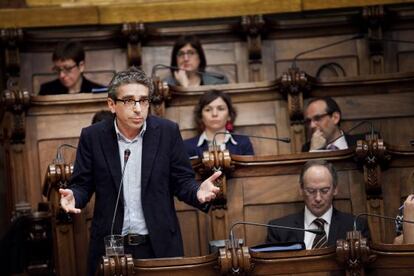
column 243, row 147
column 166, row 171
column 340, row 224
column 350, row 140
column 55, row 87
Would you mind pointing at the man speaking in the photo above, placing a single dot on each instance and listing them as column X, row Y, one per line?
column 157, row 169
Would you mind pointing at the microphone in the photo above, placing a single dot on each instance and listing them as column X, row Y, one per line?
column 398, row 219
column 59, row 157
column 325, row 46
column 162, row 66
column 127, row 153
column 231, row 236
column 283, row 139
column 362, row 123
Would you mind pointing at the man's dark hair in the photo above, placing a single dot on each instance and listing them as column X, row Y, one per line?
column 131, row 75
column 331, row 106
column 323, row 163
column 196, row 44
column 69, row 50
column 206, row 99
column 102, row 115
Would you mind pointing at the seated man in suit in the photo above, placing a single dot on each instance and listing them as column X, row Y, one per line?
column 318, row 186
column 68, row 64
column 322, row 120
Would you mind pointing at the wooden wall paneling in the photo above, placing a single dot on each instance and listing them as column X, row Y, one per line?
column 345, row 54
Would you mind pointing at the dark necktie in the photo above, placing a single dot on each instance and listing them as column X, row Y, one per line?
column 332, row 147
column 320, row 239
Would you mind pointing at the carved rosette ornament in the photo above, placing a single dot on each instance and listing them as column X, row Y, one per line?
column 116, row 265
column 234, row 259
column 57, row 177
column 214, row 160
column 161, row 96
column 354, row 252
column 134, row 33
column 371, row 153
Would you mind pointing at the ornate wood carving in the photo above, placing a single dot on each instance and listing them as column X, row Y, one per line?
column 116, row 265
column 253, row 27
column 374, row 17
column 295, row 85
column 14, row 99
column 162, row 95
column 371, row 153
column 134, row 33
column 235, row 259
column 354, row 252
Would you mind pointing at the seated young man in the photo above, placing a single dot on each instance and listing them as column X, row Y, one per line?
column 68, row 64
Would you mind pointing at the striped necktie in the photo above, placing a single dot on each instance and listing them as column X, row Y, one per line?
column 320, row 240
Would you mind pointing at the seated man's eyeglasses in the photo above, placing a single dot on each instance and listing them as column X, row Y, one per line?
column 317, row 118
column 313, row 192
column 189, row 53
column 66, row 69
column 132, row 102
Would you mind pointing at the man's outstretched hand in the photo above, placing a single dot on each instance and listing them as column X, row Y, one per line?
column 67, row 201
column 208, row 191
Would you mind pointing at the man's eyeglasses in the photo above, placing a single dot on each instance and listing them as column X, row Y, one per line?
column 317, row 118
column 313, row 192
column 132, row 103
column 66, row 69
column 189, row 53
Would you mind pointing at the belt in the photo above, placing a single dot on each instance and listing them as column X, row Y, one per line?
column 135, row 239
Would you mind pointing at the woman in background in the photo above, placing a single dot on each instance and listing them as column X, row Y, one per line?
column 214, row 116
column 189, row 57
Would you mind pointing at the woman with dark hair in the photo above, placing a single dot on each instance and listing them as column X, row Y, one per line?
column 214, row 117
column 188, row 55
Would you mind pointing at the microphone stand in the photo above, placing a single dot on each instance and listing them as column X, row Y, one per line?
column 323, row 47
column 397, row 219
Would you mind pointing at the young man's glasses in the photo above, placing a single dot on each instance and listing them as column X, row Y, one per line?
column 66, row 69
column 189, row 53
column 132, row 103
column 317, row 118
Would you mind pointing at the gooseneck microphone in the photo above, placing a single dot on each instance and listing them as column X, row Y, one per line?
column 363, row 123
column 59, row 157
column 231, row 236
column 397, row 219
column 283, row 139
column 163, row 66
column 323, row 47
column 127, row 153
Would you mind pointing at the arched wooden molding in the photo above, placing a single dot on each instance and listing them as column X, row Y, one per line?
column 253, row 27
column 134, row 33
